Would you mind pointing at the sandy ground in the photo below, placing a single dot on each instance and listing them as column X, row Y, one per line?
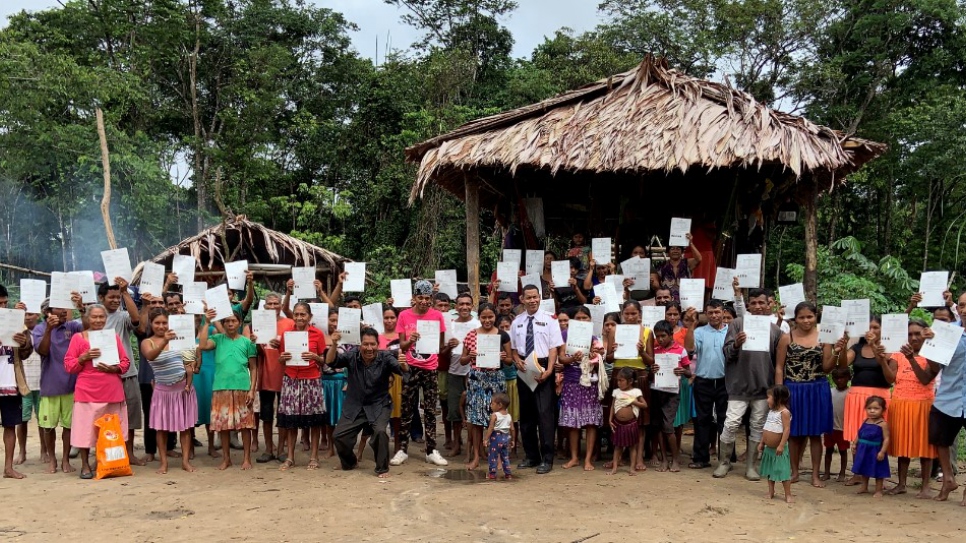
column 565, row 506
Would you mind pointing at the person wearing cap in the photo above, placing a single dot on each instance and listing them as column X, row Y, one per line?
column 422, row 371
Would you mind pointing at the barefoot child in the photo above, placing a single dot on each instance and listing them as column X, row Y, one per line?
column 664, row 403
column 623, row 418
column 869, row 451
column 498, row 435
column 840, row 376
column 775, row 463
column 233, row 389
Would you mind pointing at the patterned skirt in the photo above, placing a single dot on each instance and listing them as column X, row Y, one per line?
column 579, row 406
column 480, row 388
column 230, row 411
column 626, row 433
column 301, row 403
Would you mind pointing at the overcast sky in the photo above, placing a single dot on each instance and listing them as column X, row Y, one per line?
column 533, row 20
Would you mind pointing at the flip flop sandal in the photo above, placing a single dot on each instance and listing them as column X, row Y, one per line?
column 286, row 465
column 265, row 457
column 281, row 458
column 87, row 476
column 313, row 465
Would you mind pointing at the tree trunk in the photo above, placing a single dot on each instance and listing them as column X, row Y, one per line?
column 887, row 218
column 106, row 164
column 810, row 280
column 925, row 247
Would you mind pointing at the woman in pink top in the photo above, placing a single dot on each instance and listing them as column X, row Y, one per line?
column 98, row 391
column 912, row 399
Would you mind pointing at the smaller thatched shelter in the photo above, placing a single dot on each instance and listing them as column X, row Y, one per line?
column 270, row 254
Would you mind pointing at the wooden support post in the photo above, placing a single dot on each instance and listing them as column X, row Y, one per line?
column 473, row 238
column 810, row 208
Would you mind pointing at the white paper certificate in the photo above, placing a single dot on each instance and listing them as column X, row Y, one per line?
column 320, row 316
column 618, row 282
column 106, row 342
column 428, row 342
column 513, row 255
column 650, row 315
column 349, row 321
column 264, row 325
column 506, row 274
column 548, row 305
column 488, row 351
column 757, row 330
column 355, row 277
column 832, row 327
column 297, row 343
column 856, row 316
column 217, row 299
column 664, row 379
column 791, row 296
column 895, row 331
column 61, row 285
column 560, row 273
column 597, row 313
column 608, row 297
column 32, row 294
column 194, row 297
column 446, row 279
column 11, row 323
column 680, row 228
column 184, row 326
column 117, row 264
column 748, row 270
column 931, row 286
column 152, row 279
column 639, row 270
column 579, row 336
column 372, row 316
column 601, row 249
column 401, row 291
column 692, row 294
column 184, row 267
column 941, row 348
column 532, row 279
column 304, row 278
column 235, row 272
column 627, row 336
column 723, row 285
column 84, row 285
column 458, row 330
column 534, row 262
column 532, row 371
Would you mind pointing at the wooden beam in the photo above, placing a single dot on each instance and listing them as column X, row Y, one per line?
column 810, row 208
column 24, row 270
column 472, row 203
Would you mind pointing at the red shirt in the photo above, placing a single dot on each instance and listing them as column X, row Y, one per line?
column 316, row 345
column 270, row 370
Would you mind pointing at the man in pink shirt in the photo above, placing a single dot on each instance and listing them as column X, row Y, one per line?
column 422, row 371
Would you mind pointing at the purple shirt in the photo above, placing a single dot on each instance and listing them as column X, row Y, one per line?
column 54, row 379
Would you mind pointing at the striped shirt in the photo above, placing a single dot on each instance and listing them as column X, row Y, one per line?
column 168, row 367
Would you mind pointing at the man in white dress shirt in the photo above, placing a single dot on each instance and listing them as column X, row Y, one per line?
column 536, row 332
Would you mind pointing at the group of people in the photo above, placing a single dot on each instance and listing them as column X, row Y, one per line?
column 880, row 404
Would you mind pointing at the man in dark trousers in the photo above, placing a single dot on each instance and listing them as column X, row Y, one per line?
column 536, row 332
column 367, row 403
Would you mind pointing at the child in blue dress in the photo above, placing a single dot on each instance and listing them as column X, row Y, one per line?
column 869, row 451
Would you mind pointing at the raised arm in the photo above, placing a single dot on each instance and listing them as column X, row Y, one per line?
column 246, row 303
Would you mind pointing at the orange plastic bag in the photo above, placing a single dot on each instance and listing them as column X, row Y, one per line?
column 112, row 460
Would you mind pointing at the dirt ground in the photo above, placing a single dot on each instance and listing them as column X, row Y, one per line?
column 563, row 506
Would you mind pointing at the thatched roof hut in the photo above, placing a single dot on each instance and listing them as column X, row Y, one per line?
column 270, row 254
column 645, row 132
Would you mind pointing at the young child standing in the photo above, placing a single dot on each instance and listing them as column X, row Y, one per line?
column 498, row 435
column 841, row 377
column 664, row 403
column 776, row 465
column 870, row 458
column 624, row 411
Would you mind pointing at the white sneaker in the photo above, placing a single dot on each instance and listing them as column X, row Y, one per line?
column 435, row 458
column 399, row 458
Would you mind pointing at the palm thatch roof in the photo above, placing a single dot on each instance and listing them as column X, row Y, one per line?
column 648, row 119
column 268, row 252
